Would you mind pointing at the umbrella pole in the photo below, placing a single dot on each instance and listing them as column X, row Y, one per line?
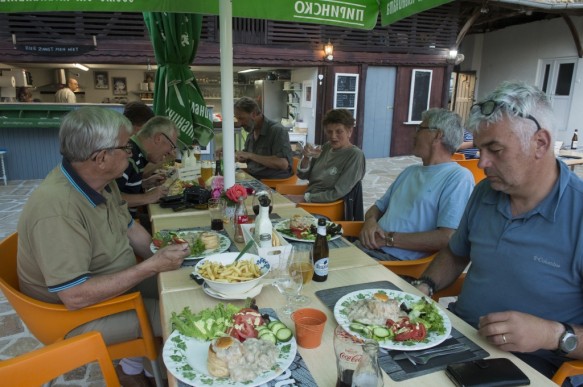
column 226, row 39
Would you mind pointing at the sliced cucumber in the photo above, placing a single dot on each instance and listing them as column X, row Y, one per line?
column 272, row 323
column 284, row 335
column 277, row 326
column 261, row 328
column 268, row 336
column 357, row 327
column 381, row 332
column 361, row 322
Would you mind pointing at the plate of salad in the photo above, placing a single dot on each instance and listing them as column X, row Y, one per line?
column 397, row 320
column 185, row 352
column 202, row 243
column 307, row 231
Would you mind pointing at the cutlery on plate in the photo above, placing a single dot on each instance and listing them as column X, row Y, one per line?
column 429, row 351
column 423, row 359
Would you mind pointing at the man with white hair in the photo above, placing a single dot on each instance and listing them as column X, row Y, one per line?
column 67, row 93
column 521, row 231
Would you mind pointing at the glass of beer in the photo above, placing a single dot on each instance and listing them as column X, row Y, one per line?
column 206, row 169
column 303, row 262
column 196, row 150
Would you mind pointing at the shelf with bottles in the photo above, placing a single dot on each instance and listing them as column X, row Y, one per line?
column 146, row 96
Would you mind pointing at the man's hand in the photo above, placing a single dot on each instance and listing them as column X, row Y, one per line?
column 372, row 236
column 170, row 257
column 242, row 157
column 154, row 195
column 153, row 181
column 520, row 332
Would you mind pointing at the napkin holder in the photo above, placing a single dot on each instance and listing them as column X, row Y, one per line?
column 271, row 254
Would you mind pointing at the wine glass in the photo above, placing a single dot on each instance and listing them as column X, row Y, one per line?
column 256, row 200
column 288, row 280
column 303, row 262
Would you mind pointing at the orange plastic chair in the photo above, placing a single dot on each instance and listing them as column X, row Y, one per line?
column 50, row 323
column 458, row 156
column 350, row 228
column 413, row 268
column 333, row 210
column 472, row 165
column 45, row 364
column 272, row 183
column 452, row 290
column 568, row 368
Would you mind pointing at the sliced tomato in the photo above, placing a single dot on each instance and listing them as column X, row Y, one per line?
column 158, row 243
column 178, row 240
column 406, row 330
column 244, row 323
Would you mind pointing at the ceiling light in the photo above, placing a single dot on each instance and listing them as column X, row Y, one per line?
column 247, row 71
column 329, row 51
column 81, row 67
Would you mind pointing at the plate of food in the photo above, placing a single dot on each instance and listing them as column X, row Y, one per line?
column 239, row 347
column 202, row 243
column 304, row 229
column 397, row 320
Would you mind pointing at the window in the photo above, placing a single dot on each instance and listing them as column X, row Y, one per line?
column 420, row 92
column 346, row 92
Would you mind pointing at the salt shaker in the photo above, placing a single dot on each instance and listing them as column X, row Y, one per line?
column 368, row 373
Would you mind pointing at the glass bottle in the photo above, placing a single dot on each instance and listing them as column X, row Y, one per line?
column 348, row 351
column 263, row 226
column 575, row 140
column 218, row 169
column 368, row 373
column 321, row 253
column 241, row 217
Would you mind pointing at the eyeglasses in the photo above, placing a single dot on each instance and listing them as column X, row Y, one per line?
column 490, row 106
column 126, row 148
column 420, row 128
column 169, row 140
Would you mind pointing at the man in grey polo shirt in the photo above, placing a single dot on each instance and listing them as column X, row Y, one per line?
column 267, row 150
column 77, row 243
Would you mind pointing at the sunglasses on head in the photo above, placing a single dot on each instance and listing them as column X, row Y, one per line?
column 487, row 108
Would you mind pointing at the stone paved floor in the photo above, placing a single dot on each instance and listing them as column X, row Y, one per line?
column 15, row 338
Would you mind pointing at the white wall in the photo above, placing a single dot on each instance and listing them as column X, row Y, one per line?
column 308, row 115
column 515, row 53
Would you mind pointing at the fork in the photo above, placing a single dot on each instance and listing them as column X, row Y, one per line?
column 423, row 359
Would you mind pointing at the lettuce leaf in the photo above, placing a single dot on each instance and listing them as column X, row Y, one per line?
column 207, row 324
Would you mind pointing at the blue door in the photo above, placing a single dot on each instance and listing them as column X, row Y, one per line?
column 378, row 111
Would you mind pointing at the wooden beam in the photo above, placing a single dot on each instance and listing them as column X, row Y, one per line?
column 467, row 26
column 575, row 34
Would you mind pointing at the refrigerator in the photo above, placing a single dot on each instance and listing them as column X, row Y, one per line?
column 271, row 99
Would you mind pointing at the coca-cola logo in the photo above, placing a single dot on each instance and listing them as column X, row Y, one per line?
column 351, row 358
column 242, row 219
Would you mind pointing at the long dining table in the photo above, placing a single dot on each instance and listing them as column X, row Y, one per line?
column 348, row 266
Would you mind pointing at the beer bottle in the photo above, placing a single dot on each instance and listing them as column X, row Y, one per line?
column 320, row 253
column 575, row 140
column 218, row 169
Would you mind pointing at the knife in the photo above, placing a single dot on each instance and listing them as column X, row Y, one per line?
column 402, row 356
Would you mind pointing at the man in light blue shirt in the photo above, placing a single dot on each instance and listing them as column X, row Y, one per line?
column 522, row 231
column 423, row 207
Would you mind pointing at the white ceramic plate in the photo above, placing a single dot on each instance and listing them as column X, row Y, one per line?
column 284, row 225
column 431, row 340
column 224, row 244
column 186, row 358
column 243, row 296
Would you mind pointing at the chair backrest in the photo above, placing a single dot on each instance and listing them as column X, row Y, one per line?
column 350, row 228
column 272, row 183
column 458, row 156
column 353, row 204
column 413, row 268
column 295, row 162
column 45, row 364
column 472, row 165
column 50, row 323
column 291, row 189
column 333, row 211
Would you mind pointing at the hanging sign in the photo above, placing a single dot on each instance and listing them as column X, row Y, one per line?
column 50, row 49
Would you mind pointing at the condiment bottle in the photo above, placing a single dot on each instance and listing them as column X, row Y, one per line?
column 321, row 253
column 368, row 373
column 218, row 170
column 575, row 140
column 263, row 226
column 241, row 217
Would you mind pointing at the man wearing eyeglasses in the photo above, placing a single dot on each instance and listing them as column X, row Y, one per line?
column 77, row 243
column 522, row 232
column 422, row 208
column 155, row 140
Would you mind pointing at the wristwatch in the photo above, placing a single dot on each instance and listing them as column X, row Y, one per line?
column 427, row 281
column 390, row 239
column 568, row 341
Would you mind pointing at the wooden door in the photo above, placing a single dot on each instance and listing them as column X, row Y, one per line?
column 465, row 85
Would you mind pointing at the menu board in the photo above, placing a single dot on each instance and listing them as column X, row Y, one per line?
column 346, row 92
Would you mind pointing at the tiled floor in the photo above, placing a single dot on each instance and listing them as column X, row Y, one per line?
column 14, row 336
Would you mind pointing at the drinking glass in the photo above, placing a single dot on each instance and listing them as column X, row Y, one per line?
column 303, row 262
column 313, row 150
column 288, row 280
column 256, row 200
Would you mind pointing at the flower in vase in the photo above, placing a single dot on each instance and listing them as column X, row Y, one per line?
column 235, row 192
column 217, row 187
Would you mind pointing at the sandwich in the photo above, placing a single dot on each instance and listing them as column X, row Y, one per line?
column 219, row 351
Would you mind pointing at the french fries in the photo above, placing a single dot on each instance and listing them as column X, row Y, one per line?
column 275, row 239
column 239, row 271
